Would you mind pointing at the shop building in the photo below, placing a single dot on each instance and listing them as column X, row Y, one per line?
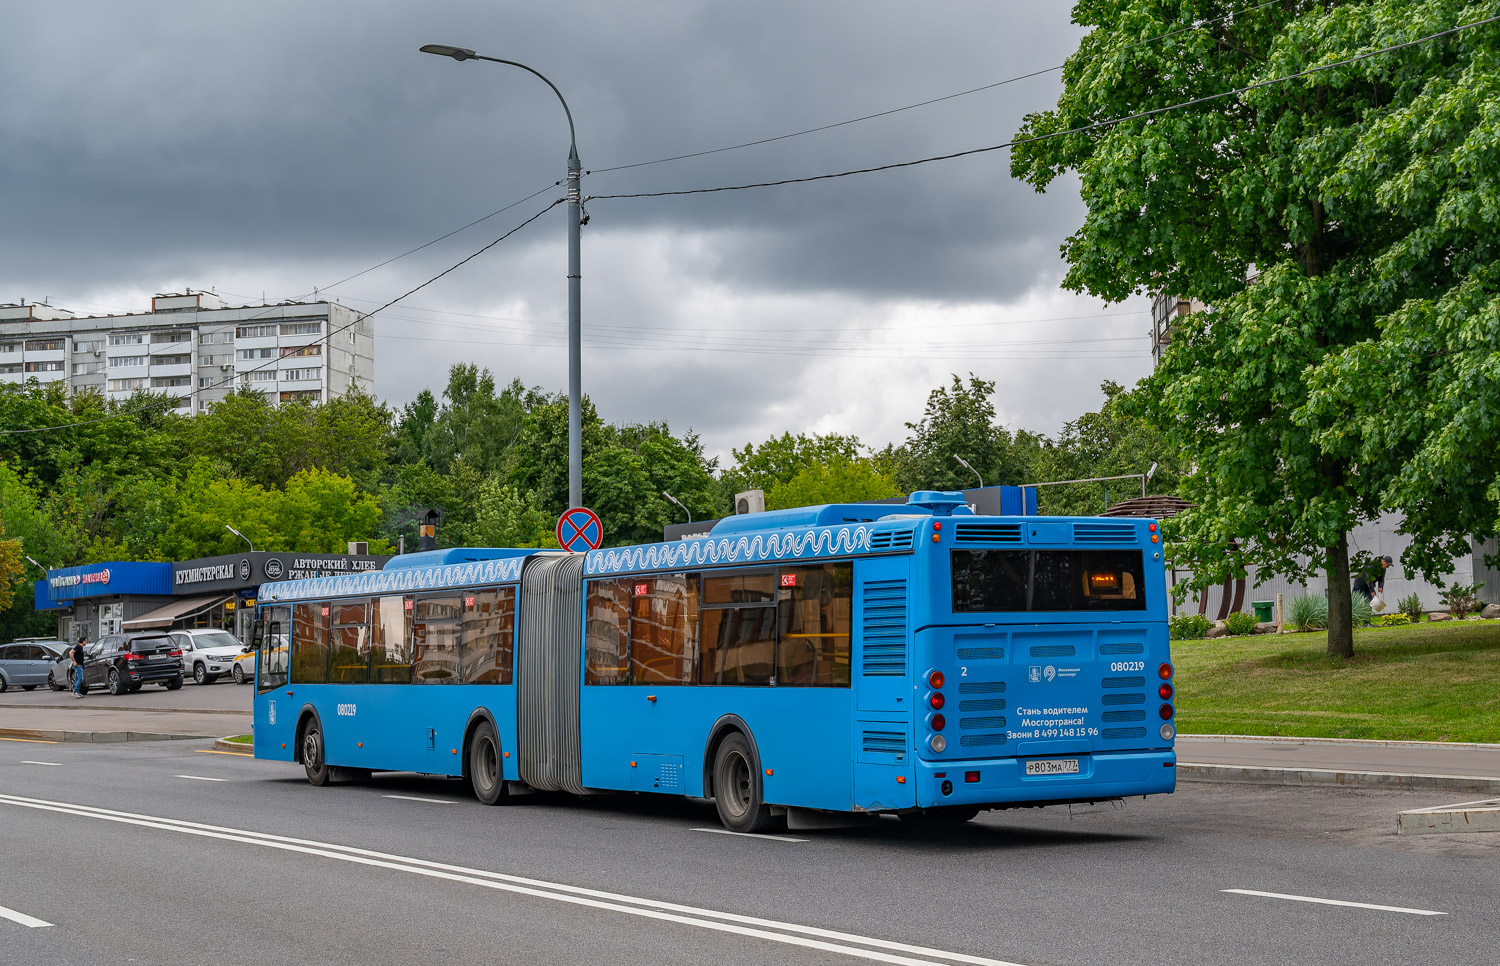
column 218, row 592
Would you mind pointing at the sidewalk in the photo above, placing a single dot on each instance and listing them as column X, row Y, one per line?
column 100, row 722
column 1255, row 760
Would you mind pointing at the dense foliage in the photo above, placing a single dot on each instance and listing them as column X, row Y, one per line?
column 1340, row 225
column 143, row 484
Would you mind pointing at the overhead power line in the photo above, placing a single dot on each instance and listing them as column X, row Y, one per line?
column 175, row 401
column 1196, row 25
column 1043, row 137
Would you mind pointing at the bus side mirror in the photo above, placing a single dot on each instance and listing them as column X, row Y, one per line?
column 257, row 636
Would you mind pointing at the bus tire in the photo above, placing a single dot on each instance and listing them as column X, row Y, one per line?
column 484, row 765
column 737, row 787
column 313, row 761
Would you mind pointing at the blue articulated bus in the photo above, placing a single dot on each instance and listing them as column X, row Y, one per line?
column 808, row 664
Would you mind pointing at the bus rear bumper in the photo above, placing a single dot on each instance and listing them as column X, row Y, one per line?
column 1003, row 781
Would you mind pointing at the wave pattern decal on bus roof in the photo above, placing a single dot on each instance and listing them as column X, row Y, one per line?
column 377, row 582
column 746, row 548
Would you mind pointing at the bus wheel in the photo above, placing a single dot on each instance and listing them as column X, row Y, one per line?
column 737, row 789
column 484, row 765
column 312, row 754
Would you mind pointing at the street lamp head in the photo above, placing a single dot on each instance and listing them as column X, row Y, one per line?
column 443, row 50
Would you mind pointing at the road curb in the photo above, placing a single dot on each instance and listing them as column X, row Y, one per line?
column 1262, row 775
column 1463, row 817
column 1357, row 742
column 98, row 737
column 224, row 744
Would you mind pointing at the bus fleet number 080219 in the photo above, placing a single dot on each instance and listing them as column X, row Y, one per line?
column 1127, row 666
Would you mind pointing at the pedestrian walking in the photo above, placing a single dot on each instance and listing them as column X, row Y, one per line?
column 77, row 653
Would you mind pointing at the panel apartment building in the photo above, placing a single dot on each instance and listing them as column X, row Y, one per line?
column 196, row 346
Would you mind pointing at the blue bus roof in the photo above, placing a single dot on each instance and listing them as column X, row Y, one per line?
column 454, row 555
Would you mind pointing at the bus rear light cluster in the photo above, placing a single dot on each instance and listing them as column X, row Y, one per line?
column 1168, row 732
column 936, row 679
column 937, row 722
column 1165, row 691
column 939, row 744
column 1166, row 712
column 1165, row 671
column 937, row 700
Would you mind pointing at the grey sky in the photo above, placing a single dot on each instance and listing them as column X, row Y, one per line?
column 280, row 146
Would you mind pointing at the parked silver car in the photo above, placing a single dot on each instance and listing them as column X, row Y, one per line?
column 206, row 653
column 28, row 663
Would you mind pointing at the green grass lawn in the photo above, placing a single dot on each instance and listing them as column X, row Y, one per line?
column 1423, row 682
column 242, row 739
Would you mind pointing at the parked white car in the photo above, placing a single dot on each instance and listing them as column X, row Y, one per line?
column 206, row 654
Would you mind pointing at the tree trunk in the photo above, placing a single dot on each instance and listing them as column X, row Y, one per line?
column 1340, row 600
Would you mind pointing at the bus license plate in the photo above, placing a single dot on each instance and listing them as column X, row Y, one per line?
column 1053, row 766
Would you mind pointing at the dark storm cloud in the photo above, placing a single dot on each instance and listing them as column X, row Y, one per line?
column 282, row 145
column 159, row 129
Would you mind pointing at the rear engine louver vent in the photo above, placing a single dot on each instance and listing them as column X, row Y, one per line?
column 987, row 533
column 1124, row 682
column 981, row 653
column 1117, row 734
column 977, row 724
column 982, row 704
column 971, row 741
column 1110, row 717
column 1122, row 648
column 1104, row 532
column 981, row 687
column 891, row 540
column 885, row 743
column 884, row 628
column 1124, row 699
column 1053, row 650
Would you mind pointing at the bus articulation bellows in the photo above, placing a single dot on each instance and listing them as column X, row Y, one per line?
column 851, row 658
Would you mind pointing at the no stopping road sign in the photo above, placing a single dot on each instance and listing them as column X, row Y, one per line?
column 579, row 529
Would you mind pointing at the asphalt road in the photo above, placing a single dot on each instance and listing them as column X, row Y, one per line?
column 133, row 854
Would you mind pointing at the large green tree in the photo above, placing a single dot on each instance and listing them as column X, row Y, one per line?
column 959, row 420
column 1114, row 441
column 1252, row 204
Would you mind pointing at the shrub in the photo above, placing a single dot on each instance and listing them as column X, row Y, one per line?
column 1188, row 627
column 1393, row 620
column 1461, row 599
column 1241, row 623
column 1411, row 606
column 1308, row 612
column 1360, row 610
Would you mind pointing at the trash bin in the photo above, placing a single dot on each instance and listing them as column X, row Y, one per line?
column 1265, row 610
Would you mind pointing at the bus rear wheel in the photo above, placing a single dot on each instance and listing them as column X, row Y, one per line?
column 737, row 788
column 484, row 765
column 313, row 762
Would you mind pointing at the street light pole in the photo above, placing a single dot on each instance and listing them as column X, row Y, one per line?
column 241, row 536
column 965, row 464
column 679, row 505
column 575, row 277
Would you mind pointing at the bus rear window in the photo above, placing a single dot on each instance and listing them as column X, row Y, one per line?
column 1005, row 581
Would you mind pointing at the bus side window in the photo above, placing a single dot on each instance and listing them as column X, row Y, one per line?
column 607, row 632
column 737, row 639
column 309, row 663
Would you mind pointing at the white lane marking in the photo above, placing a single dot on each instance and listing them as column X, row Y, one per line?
column 22, row 918
column 560, row 892
column 1335, row 902
column 200, row 778
column 430, row 801
column 749, row 835
column 54, row 764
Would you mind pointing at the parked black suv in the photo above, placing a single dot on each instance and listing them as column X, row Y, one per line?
column 124, row 662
